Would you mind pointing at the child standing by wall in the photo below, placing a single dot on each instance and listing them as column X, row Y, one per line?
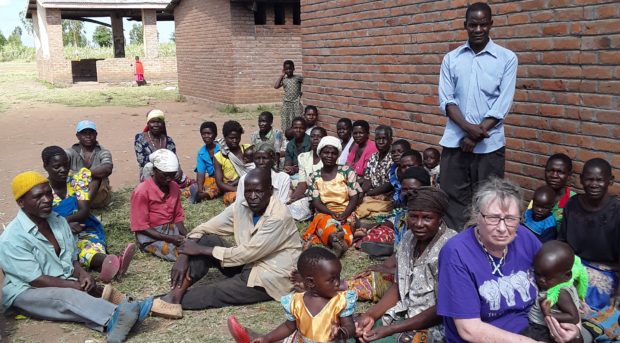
column 322, row 313
column 291, row 103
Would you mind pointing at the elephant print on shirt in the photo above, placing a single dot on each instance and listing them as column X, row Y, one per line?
column 492, row 291
column 522, row 283
column 489, row 290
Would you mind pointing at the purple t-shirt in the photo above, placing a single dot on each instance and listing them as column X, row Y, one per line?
column 467, row 289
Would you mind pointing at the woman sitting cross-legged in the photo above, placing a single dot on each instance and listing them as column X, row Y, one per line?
column 408, row 309
column 334, row 191
column 156, row 212
column 309, row 162
column 71, row 200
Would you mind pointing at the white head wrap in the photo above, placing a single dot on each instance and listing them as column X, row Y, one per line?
column 155, row 114
column 162, row 159
column 329, row 141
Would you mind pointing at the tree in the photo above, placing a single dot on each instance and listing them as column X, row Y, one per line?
column 26, row 23
column 136, row 35
column 3, row 40
column 102, row 36
column 16, row 37
column 73, row 33
column 173, row 37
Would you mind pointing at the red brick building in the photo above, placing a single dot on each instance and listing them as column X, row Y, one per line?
column 231, row 51
column 379, row 61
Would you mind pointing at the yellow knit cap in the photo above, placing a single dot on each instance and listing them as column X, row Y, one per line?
column 24, row 182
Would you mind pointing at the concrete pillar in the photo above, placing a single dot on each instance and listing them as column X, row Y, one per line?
column 151, row 41
column 118, row 36
column 51, row 62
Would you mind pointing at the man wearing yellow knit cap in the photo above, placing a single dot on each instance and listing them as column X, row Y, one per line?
column 43, row 277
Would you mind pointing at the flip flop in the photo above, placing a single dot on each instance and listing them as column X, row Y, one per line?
column 113, row 295
column 109, row 268
column 126, row 258
column 239, row 333
column 167, row 310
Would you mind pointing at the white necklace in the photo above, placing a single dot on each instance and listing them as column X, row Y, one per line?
column 496, row 267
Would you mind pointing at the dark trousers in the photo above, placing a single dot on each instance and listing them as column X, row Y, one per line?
column 460, row 174
column 233, row 290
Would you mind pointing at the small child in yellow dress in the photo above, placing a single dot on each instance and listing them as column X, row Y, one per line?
column 323, row 313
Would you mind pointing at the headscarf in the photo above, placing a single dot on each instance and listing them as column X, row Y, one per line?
column 329, row 141
column 153, row 114
column 428, row 199
column 162, row 159
column 24, row 182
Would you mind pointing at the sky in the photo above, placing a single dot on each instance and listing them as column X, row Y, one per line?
column 9, row 19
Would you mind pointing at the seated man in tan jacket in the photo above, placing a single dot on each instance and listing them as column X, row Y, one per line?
column 257, row 268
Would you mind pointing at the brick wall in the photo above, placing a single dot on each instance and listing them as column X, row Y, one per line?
column 51, row 64
column 223, row 57
column 115, row 70
column 379, row 61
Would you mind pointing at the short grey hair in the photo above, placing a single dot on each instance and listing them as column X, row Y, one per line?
column 495, row 189
column 265, row 147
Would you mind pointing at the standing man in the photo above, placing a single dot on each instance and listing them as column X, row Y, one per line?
column 476, row 87
column 87, row 153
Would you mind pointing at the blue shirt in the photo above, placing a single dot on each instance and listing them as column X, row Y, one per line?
column 204, row 162
column 482, row 86
column 25, row 254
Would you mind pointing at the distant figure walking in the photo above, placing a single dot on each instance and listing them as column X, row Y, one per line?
column 139, row 72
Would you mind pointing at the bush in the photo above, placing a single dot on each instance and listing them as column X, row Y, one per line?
column 12, row 52
column 73, row 53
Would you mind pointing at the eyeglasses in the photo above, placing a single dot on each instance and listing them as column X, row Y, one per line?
column 494, row 220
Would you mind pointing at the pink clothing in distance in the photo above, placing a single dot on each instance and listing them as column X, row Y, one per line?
column 150, row 207
column 361, row 164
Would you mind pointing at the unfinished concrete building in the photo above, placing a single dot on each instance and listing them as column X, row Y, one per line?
column 55, row 68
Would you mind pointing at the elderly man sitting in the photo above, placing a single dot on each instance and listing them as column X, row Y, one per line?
column 257, row 268
column 43, row 276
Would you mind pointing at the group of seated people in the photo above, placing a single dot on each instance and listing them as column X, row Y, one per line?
column 508, row 276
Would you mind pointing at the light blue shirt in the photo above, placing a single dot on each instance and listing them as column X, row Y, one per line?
column 25, row 254
column 482, row 86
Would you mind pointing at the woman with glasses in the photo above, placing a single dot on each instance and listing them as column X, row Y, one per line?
column 485, row 273
column 156, row 215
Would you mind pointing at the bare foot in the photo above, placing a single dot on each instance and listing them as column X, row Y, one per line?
column 338, row 243
column 174, row 297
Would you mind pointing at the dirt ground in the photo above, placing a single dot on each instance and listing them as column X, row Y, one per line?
column 27, row 129
column 27, row 126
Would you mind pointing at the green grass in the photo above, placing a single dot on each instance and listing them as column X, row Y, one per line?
column 19, row 85
column 149, row 275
